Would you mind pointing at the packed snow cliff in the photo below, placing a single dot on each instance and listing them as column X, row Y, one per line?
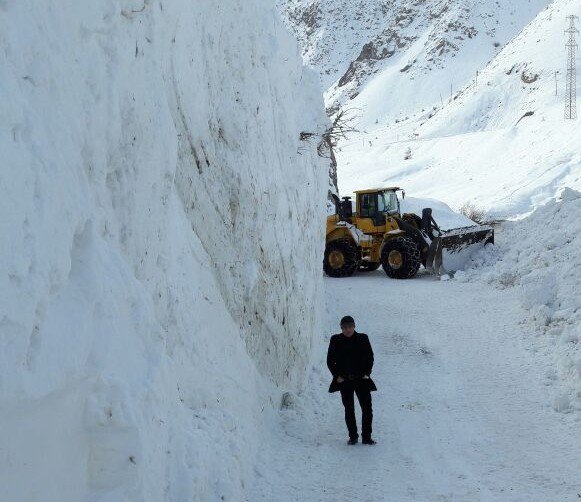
column 161, row 240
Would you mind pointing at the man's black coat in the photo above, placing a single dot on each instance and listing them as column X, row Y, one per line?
column 350, row 358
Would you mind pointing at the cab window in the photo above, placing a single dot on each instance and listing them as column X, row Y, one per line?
column 368, row 205
column 388, row 202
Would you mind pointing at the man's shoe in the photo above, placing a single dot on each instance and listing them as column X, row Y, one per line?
column 353, row 441
column 368, row 441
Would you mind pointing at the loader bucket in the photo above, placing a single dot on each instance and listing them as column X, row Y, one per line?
column 452, row 249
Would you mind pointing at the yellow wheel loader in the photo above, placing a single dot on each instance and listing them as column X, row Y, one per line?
column 377, row 234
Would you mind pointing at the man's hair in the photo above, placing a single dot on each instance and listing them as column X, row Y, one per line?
column 347, row 320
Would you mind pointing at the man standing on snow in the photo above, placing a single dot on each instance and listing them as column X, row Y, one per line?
column 350, row 360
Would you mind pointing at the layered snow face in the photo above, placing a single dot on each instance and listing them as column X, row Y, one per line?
column 539, row 255
column 251, row 191
column 161, row 243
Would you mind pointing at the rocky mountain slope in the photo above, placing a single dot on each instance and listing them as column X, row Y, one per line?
column 427, row 46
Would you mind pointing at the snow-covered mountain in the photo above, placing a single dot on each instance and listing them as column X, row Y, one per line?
column 160, row 275
column 480, row 122
column 501, row 142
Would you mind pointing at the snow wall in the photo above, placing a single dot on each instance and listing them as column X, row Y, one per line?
column 160, row 275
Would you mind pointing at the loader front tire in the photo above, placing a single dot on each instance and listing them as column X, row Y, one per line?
column 341, row 258
column 400, row 258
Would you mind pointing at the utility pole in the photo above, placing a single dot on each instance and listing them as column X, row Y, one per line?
column 556, row 84
column 476, row 78
column 571, row 89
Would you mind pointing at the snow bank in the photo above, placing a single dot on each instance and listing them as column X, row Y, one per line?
column 539, row 255
column 160, row 256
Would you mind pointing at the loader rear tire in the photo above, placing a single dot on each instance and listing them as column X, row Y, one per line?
column 341, row 258
column 400, row 258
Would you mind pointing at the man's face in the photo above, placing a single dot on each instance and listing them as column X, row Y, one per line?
column 348, row 329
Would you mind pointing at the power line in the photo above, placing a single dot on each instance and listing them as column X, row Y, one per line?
column 571, row 88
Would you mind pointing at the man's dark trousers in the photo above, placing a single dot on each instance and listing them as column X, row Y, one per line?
column 360, row 387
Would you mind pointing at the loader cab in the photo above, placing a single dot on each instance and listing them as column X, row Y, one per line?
column 374, row 205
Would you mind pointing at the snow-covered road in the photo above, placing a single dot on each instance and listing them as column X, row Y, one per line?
column 462, row 413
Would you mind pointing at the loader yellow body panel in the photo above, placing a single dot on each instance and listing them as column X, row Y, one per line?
column 376, row 235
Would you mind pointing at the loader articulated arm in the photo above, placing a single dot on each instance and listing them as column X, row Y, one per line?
column 429, row 224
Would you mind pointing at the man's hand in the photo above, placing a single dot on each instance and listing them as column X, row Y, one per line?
column 365, row 377
column 340, row 379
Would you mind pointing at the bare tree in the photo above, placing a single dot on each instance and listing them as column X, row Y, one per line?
column 341, row 126
column 474, row 212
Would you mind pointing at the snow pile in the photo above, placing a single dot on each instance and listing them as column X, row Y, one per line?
column 160, row 262
column 540, row 256
column 444, row 215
